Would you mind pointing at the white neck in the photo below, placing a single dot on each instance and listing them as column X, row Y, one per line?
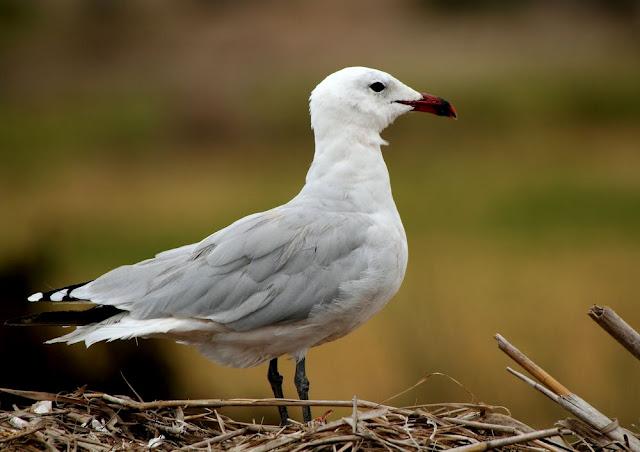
column 348, row 171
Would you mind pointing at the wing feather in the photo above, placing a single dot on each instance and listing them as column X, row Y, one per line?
column 269, row 267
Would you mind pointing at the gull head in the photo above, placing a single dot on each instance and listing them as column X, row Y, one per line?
column 368, row 98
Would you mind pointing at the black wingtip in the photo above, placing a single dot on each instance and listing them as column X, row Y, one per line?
column 46, row 296
column 65, row 318
column 26, row 320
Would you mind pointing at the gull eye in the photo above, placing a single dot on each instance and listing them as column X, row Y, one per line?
column 377, row 86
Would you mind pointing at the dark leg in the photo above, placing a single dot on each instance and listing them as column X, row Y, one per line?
column 302, row 385
column 276, row 385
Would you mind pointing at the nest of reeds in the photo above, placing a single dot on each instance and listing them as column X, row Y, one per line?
column 85, row 420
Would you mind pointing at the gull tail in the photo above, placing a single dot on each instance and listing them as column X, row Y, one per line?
column 66, row 318
column 61, row 294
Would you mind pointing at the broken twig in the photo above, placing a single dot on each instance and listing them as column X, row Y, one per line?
column 615, row 325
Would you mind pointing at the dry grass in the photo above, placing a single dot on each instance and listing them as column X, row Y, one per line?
column 96, row 421
column 85, row 420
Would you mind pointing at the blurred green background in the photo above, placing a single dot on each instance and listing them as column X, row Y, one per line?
column 127, row 128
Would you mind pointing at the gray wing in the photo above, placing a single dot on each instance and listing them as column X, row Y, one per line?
column 266, row 268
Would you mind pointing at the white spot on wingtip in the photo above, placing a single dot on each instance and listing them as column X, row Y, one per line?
column 59, row 295
column 35, row 297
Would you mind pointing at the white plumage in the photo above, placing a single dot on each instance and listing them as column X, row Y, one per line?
column 285, row 280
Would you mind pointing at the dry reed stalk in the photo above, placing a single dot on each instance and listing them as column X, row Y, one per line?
column 615, row 325
column 523, row 438
column 571, row 402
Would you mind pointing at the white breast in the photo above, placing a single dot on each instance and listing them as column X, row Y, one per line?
column 359, row 301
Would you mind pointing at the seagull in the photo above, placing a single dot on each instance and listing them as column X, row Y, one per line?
column 285, row 280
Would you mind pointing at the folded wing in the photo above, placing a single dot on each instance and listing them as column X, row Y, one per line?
column 266, row 268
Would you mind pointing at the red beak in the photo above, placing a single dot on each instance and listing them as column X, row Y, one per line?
column 432, row 104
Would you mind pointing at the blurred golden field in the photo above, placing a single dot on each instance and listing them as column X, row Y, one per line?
column 130, row 128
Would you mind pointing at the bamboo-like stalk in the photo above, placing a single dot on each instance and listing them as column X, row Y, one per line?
column 615, row 325
column 538, row 372
column 571, row 402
